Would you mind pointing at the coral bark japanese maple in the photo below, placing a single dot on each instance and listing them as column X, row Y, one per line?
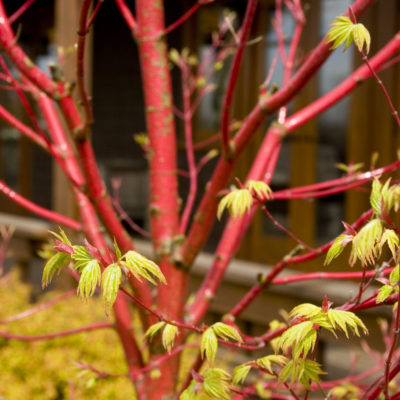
column 178, row 232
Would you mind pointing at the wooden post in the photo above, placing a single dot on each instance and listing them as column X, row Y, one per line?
column 66, row 24
column 304, row 141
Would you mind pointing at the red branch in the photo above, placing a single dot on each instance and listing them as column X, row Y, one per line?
column 234, row 75
column 20, row 11
column 183, row 18
column 83, row 30
column 164, row 202
column 127, row 15
column 41, row 211
column 327, row 275
column 20, row 59
column 95, row 11
column 24, row 129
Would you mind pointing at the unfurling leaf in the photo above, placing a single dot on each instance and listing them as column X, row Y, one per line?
column 226, row 332
column 238, row 202
column 383, row 197
column 345, row 31
column 209, row 345
column 262, row 392
column 53, row 266
column 117, row 250
column 302, row 371
column 168, row 336
column 390, row 237
column 366, row 243
column 81, row 257
column 275, row 325
column 90, row 278
column 344, row 319
column 240, row 373
column 337, row 247
column 362, row 38
column 341, row 32
column 259, row 189
column 142, row 139
column 375, row 198
column 46, row 251
column 110, row 284
column 267, row 361
column 295, row 335
column 349, row 169
column 306, row 310
column 174, row 56
column 383, row 293
column 62, row 237
column 141, row 267
column 215, row 384
column 346, row 391
column 306, row 345
column 190, row 392
column 153, row 329
column 394, row 276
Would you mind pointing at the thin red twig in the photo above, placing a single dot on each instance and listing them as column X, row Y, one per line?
column 233, row 77
column 83, row 30
column 94, row 14
column 394, row 338
column 20, row 11
column 40, row 307
column 34, row 338
column 41, row 211
column 127, row 15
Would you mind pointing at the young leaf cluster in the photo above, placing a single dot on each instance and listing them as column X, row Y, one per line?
column 331, row 319
column 301, row 338
column 301, row 370
column 88, row 262
column 239, row 201
column 345, row 31
column 209, row 339
column 264, row 363
column 110, row 285
column 391, row 286
column 384, row 198
column 216, row 383
column 368, row 242
column 169, row 333
column 141, row 267
column 213, row 384
column 346, row 391
column 53, row 266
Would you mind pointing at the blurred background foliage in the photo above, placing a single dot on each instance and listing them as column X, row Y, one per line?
column 45, row 369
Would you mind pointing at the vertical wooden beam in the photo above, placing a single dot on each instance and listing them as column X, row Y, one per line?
column 66, row 25
column 304, row 142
